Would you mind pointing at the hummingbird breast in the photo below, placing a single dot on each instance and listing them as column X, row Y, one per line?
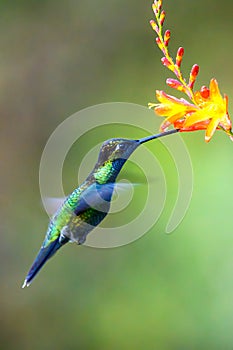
column 84, row 210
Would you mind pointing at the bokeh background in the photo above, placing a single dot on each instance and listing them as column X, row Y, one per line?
column 163, row 291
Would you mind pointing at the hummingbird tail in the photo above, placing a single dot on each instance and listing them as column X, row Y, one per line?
column 43, row 255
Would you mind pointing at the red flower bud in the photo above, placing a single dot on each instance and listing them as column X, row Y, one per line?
column 205, row 92
column 193, row 75
column 162, row 17
column 167, row 36
column 179, row 56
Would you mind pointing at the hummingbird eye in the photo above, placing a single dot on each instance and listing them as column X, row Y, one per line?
column 121, row 147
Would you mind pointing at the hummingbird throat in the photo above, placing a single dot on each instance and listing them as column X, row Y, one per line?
column 109, row 171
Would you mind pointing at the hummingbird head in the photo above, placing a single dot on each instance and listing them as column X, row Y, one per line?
column 114, row 153
column 117, row 149
column 112, row 156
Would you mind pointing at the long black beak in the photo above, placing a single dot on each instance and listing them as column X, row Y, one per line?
column 152, row 137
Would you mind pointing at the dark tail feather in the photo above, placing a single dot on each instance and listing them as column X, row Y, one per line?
column 43, row 255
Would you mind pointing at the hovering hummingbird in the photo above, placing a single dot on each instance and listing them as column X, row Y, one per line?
column 88, row 204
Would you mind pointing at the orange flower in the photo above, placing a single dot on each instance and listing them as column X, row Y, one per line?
column 212, row 113
column 171, row 107
column 208, row 110
column 208, row 113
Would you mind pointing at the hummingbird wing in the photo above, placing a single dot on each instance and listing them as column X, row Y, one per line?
column 96, row 196
column 53, row 204
column 83, row 209
column 90, row 209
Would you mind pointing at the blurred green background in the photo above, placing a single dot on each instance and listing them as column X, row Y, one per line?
column 163, row 291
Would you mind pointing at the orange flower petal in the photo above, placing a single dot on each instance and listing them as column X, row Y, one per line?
column 211, row 128
column 215, row 95
column 194, row 127
column 196, row 117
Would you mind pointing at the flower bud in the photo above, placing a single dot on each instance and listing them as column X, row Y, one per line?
column 167, row 36
column 179, row 56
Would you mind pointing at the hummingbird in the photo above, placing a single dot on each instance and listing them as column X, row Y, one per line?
column 87, row 205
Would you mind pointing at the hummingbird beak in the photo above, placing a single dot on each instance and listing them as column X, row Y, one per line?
column 152, row 137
